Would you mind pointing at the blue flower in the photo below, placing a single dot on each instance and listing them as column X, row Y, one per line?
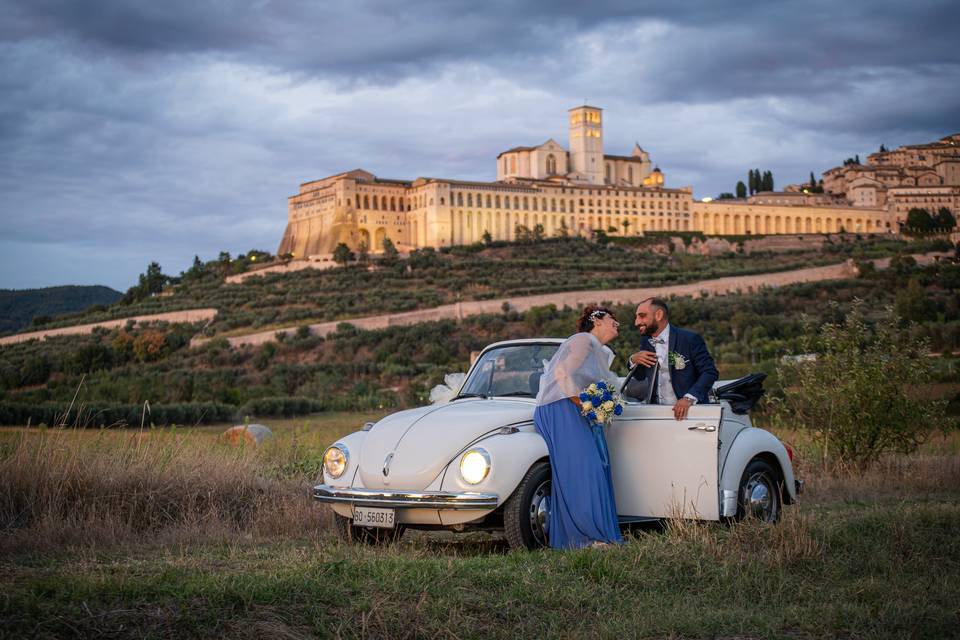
column 607, row 396
column 602, row 385
column 592, row 416
column 584, row 397
column 617, row 410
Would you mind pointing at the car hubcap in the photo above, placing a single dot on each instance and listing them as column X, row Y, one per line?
column 540, row 513
column 759, row 497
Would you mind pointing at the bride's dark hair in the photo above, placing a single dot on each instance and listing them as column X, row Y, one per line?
column 591, row 313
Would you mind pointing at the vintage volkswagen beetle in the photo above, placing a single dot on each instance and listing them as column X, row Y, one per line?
column 476, row 461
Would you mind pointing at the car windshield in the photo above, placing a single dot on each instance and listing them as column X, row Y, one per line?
column 512, row 370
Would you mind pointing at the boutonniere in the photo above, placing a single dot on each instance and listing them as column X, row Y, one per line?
column 677, row 361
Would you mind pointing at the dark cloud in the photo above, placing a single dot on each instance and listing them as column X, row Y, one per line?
column 156, row 130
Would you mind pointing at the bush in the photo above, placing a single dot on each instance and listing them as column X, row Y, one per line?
column 113, row 415
column 281, row 407
column 858, row 396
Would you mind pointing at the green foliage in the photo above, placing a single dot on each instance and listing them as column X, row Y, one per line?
column 741, row 189
column 920, row 220
column 19, row 307
column 281, row 407
column 945, row 219
column 859, row 395
column 113, row 414
column 151, row 283
column 342, row 254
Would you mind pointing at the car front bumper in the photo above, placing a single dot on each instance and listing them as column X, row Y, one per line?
column 409, row 499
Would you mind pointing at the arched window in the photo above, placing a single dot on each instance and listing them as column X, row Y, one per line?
column 459, row 199
column 393, row 203
column 496, row 201
column 516, row 202
column 469, row 199
column 630, row 175
column 551, row 165
column 366, row 202
column 488, row 201
column 358, row 201
column 376, row 204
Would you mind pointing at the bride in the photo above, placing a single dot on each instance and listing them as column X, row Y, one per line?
column 583, row 512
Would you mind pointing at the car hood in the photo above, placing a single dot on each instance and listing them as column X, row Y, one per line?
column 421, row 442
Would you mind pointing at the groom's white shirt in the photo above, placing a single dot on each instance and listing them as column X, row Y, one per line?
column 665, row 393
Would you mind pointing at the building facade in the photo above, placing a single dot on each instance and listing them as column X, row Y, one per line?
column 575, row 191
column 921, row 176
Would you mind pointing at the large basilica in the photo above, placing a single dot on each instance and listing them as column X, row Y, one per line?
column 577, row 190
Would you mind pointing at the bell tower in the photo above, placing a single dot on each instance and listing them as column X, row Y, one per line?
column 586, row 143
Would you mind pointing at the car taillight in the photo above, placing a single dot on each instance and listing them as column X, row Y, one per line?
column 789, row 452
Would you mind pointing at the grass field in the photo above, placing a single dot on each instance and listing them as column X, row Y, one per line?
column 174, row 534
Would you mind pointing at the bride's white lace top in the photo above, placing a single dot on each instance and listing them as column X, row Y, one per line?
column 580, row 361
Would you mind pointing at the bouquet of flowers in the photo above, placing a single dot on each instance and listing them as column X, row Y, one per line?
column 599, row 402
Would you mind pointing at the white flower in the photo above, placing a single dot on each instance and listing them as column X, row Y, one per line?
column 587, row 405
column 592, row 388
column 608, row 405
column 677, row 360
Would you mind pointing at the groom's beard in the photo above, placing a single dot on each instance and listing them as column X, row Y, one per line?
column 649, row 330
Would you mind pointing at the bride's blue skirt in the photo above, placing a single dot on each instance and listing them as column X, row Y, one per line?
column 582, row 508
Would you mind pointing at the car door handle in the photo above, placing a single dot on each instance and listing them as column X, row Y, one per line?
column 700, row 426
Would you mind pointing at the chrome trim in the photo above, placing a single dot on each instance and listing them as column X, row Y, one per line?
column 412, row 499
column 729, row 501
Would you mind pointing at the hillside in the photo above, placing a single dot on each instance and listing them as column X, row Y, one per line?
column 477, row 272
column 117, row 371
column 21, row 307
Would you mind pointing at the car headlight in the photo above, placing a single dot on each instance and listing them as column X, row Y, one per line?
column 474, row 466
column 335, row 460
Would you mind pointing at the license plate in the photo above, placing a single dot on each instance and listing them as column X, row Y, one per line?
column 373, row 517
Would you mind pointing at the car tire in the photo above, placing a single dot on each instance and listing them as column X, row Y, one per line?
column 760, row 494
column 526, row 512
column 365, row 535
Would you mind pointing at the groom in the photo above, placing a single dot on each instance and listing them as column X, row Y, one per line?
column 687, row 371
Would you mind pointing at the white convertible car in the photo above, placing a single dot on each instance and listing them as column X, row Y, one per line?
column 477, row 462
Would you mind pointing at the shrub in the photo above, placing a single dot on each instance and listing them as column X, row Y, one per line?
column 858, row 396
column 281, row 407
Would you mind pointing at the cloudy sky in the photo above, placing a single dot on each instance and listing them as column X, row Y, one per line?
column 140, row 130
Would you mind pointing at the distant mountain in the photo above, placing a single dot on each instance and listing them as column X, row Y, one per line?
column 18, row 307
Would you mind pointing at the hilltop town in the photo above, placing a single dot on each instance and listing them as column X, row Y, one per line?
column 582, row 189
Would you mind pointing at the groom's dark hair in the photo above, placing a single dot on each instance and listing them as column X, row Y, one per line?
column 658, row 303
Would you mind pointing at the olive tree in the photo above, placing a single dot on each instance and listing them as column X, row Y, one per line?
column 860, row 390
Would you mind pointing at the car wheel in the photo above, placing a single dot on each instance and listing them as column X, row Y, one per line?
column 365, row 535
column 526, row 513
column 760, row 495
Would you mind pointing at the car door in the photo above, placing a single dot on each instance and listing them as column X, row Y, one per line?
column 663, row 467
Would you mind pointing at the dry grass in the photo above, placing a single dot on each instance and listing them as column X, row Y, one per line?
column 75, row 487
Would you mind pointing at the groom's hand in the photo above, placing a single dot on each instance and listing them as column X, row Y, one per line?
column 645, row 358
column 680, row 409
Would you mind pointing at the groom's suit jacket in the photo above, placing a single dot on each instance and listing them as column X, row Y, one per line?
column 699, row 373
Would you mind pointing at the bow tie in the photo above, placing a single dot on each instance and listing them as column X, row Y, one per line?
column 656, row 341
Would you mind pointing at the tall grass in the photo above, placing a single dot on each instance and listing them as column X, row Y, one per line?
column 66, row 487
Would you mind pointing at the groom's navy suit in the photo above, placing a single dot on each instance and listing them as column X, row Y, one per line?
column 699, row 373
